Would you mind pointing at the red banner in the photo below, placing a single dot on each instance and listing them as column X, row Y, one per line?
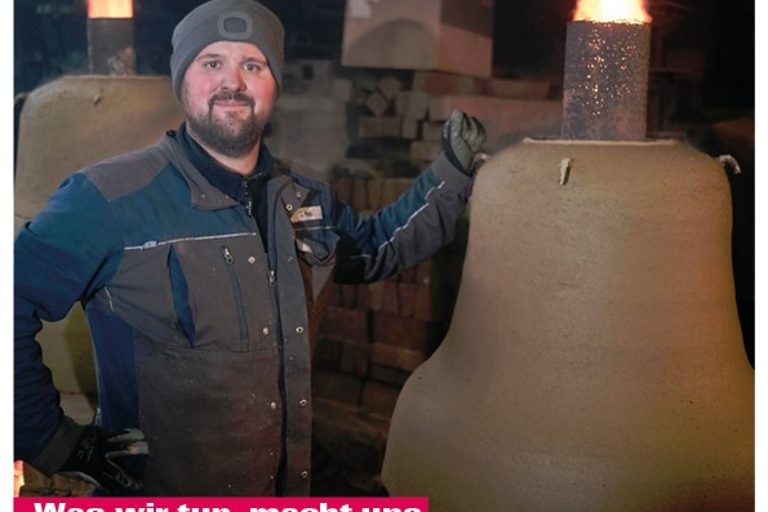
column 158, row 504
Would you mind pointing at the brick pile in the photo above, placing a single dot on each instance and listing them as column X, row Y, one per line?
column 373, row 336
column 413, row 107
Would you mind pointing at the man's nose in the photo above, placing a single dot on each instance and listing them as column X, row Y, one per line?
column 232, row 79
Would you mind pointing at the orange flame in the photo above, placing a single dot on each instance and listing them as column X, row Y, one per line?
column 110, row 8
column 620, row 11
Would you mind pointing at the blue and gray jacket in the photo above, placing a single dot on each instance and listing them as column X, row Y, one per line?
column 201, row 336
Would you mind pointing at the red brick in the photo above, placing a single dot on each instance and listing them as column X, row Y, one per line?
column 336, row 386
column 380, row 398
column 402, row 332
column 363, row 301
column 377, row 103
column 406, row 298
column 412, row 104
column 377, row 127
column 389, row 86
column 348, row 296
column 388, row 375
column 382, row 296
column 425, row 306
column 396, row 357
column 345, row 324
column 354, row 358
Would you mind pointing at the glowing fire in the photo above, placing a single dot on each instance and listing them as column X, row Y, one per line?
column 621, row 11
column 110, row 8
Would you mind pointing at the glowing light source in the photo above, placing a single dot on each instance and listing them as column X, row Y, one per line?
column 110, row 8
column 620, row 11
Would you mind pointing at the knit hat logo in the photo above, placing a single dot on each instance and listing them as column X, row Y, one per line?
column 235, row 25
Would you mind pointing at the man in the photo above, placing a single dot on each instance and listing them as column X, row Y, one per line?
column 198, row 260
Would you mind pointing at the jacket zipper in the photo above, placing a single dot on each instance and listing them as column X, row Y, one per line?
column 238, row 293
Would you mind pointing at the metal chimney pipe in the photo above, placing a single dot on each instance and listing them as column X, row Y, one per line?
column 110, row 37
column 606, row 81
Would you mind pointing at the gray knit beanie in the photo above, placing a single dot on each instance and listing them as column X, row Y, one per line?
column 226, row 20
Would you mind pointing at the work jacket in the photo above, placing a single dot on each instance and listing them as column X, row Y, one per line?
column 201, row 337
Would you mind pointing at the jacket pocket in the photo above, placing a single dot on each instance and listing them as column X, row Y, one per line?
column 229, row 295
column 237, row 292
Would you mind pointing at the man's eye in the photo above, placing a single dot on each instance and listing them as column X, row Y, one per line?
column 212, row 64
column 253, row 66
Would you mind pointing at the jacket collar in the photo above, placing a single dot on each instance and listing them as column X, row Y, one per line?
column 206, row 196
column 222, row 178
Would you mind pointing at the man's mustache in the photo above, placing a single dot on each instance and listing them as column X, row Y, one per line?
column 230, row 96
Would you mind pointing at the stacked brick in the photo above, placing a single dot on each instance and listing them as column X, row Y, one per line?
column 413, row 106
column 373, row 336
column 393, row 117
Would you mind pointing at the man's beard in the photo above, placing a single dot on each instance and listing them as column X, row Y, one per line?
column 229, row 134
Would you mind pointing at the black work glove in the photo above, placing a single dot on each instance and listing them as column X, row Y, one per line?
column 463, row 138
column 96, row 456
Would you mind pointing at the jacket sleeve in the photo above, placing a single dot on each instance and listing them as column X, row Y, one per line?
column 413, row 228
column 61, row 257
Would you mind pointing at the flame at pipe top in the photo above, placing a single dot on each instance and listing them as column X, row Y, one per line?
column 619, row 11
column 110, row 8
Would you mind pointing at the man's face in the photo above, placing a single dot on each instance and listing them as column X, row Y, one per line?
column 228, row 94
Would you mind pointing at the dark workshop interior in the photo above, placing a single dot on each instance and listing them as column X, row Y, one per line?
column 370, row 127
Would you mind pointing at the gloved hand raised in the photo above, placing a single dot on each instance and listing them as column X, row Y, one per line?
column 463, row 138
column 96, row 456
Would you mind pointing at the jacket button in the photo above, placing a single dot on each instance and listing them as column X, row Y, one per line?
column 303, row 402
column 299, row 329
column 289, row 207
column 305, row 474
column 251, row 259
column 273, row 405
column 290, row 258
column 265, row 331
